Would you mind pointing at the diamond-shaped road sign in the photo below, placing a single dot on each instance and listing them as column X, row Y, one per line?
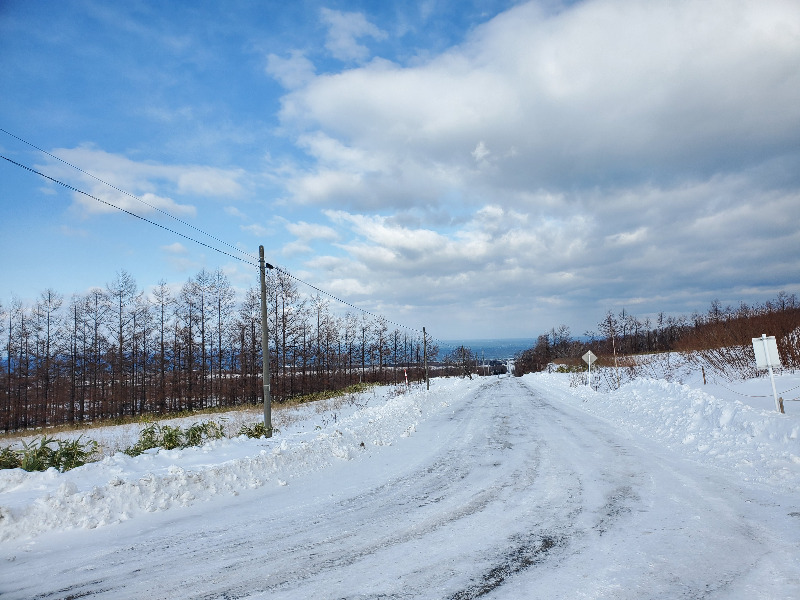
column 589, row 357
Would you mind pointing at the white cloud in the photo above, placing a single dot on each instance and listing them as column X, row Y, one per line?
column 296, row 248
column 137, row 186
column 305, row 233
column 207, row 181
column 562, row 159
column 480, row 152
column 476, row 252
column 175, row 248
column 344, row 31
column 601, row 90
column 628, row 238
column 311, row 231
column 292, row 72
column 235, row 212
column 324, row 185
column 179, row 257
column 256, row 229
column 608, row 152
column 349, row 288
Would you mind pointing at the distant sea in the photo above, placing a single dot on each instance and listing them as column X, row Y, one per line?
column 500, row 349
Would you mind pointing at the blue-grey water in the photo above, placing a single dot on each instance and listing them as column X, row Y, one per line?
column 489, row 349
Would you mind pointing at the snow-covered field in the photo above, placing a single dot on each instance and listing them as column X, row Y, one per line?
column 495, row 487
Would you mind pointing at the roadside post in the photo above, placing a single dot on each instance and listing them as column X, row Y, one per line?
column 262, row 266
column 425, row 355
column 766, row 350
column 589, row 358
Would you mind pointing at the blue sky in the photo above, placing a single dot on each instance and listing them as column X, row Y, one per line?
column 485, row 168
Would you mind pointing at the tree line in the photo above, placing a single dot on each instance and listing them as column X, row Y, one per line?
column 117, row 351
column 720, row 338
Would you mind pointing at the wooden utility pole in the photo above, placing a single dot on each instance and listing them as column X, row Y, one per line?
column 265, row 342
column 425, row 357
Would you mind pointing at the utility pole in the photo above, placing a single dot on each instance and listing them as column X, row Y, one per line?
column 425, row 357
column 265, row 342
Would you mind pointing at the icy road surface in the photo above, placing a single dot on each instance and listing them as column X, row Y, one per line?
column 496, row 488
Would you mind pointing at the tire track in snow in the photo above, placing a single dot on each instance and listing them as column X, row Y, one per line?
column 507, row 496
column 437, row 495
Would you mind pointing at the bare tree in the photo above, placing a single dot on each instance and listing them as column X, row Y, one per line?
column 379, row 349
column 288, row 324
column 4, row 317
column 122, row 292
column 223, row 300
column 249, row 327
column 162, row 301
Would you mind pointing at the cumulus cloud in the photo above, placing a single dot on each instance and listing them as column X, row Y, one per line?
column 175, row 248
column 603, row 90
column 344, row 31
column 305, row 233
column 256, row 229
column 235, row 212
column 605, row 153
column 136, row 186
column 467, row 258
column 311, row 231
column 292, row 72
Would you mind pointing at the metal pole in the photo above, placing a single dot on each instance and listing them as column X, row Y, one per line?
column 425, row 356
column 590, row 375
column 771, row 377
column 265, row 343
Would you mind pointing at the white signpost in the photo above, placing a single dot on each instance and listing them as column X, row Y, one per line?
column 766, row 350
column 589, row 358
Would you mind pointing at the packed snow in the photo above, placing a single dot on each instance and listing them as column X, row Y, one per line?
column 532, row 487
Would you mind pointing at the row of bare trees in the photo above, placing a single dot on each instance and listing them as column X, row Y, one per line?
column 117, row 351
column 721, row 340
column 721, row 337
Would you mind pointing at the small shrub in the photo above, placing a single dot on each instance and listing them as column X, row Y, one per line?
column 40, row 455
column 9, row 458
column 149, row 437
column 170, row 437
column 570, row 369
column 73, row 453
column 37, row 458
column 256, row 430
column 201, row 432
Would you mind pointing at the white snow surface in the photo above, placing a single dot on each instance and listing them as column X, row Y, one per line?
column 529, row 487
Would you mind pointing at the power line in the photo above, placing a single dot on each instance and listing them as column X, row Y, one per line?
column 121, row 191
column 210, row 247
column 345, row 302
column 133, row 214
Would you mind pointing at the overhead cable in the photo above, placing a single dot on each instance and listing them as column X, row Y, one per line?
column 133, row 214
column 121, row 191
column 184, row 236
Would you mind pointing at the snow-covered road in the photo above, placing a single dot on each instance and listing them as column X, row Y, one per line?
column 496, row 489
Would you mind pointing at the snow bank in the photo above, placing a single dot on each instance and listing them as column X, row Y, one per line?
column 758, row 445
column 119, row 487
column 763, row 445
